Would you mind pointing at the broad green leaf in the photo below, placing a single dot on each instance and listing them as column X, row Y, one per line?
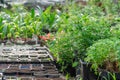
column 74, row 64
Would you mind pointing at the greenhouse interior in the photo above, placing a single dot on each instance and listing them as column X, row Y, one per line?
column 59, row 39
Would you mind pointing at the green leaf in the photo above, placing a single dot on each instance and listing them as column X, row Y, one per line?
column 40, row 10
column 1, row 20
column 9, row 35
column 5, row 28
column 32, row 13
column 48, row 10
column 74, row 64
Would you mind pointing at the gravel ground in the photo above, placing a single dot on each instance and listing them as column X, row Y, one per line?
column 33, row 3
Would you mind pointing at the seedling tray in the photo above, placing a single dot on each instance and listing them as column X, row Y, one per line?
column 30, row 60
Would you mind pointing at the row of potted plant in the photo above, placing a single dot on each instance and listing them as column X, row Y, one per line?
column 19, row 23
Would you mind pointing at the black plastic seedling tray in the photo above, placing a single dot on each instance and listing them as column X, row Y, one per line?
column 42, row 67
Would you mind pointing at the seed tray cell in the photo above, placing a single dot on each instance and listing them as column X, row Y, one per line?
column 53, row 75
column 4, row 66
column 41, row 75
column 56, row 79
column 25, row 78
column 36, row 65
column 53, row 72
column 49, row 67
column 25, row 66
column 25, row 73
column 42, row 79
column 10, row 78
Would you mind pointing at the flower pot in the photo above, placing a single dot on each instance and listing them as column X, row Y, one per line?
column 86, row 72
column 103, row 74
column 31, row 42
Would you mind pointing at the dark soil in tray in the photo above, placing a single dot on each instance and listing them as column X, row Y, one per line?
column 37, row 69
column 10, row 70
column 31, row 42
column 57, row 79
column 25, row 71
column 42, row 79
column 26, row 79
column 40, row 72
column 52, row 72
column 49, row 67
column 53, row 75
column 25, row 66
column 49, row 79
column 50, row 64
